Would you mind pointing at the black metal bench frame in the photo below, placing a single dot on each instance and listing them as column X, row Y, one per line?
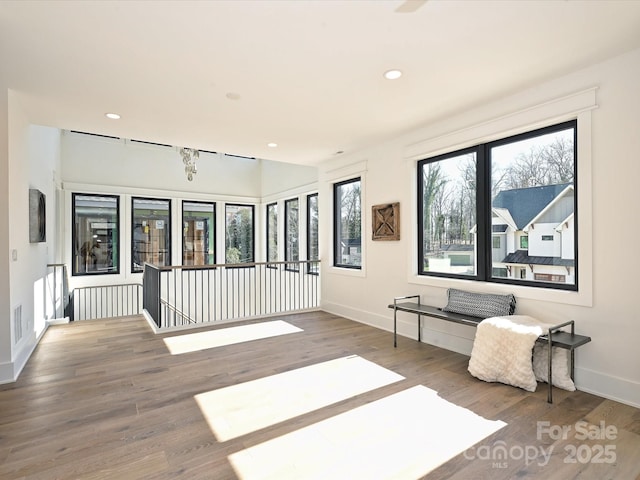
column 554, row 337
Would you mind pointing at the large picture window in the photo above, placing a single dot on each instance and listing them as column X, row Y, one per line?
column 448, row 214
column 313, row 252
column 96, row 234
column 198, row 233
column 151, row 232
column 292, row 233
column 240, row 226
column 272, row 232
column 347, row 226
column 504, row 211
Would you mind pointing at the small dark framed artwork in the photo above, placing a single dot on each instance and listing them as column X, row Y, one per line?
column 386, row 221
column 37, row 216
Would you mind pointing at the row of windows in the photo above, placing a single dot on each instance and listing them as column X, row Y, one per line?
column 503, row 211
column 292, row 232
column 96, row 233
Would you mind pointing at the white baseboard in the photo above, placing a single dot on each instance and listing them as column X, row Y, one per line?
column 360, row 316
column 58, row 321
column 10, row 371
column 6, row 373
column 608, row 386
column 150, row 321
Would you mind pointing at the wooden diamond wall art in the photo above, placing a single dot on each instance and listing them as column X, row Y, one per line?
column 386, row 221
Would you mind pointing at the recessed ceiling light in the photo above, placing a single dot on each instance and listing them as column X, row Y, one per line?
column 272, row 145
column 112, row 116
column 392, row 74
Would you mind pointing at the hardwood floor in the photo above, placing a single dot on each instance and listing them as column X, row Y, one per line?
column 106, row 400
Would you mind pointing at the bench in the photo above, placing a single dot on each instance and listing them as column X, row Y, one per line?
column 554, row 337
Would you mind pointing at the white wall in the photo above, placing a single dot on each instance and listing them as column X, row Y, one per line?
column 95, row 160
column 608, row 174
column 6, row 367
column 278, row 178
column 33, row 158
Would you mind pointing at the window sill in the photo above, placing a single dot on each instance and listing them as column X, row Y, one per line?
column 349, row 272
column 581, row 298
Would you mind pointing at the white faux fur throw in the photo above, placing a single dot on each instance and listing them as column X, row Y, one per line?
column 502, row 350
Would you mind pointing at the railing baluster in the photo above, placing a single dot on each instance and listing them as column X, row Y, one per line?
column 235, row 291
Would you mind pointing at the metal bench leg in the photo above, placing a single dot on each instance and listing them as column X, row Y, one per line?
column 395, row 341
column 550, row 372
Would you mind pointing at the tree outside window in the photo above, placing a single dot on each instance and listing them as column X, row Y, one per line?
column 313, row 252
column 292, row 233
column 448, row 214
column 239, row 235
column 272, row 232
column 348, row 224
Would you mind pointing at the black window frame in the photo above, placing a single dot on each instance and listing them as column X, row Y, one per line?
column 312, row 268
column 482, row 232
column 287, row 203
column 74, row 238
column 484, row 265
column 268, row 233
column 337, row 216
column 253, row 235
column 169, row 255
column 215, row 229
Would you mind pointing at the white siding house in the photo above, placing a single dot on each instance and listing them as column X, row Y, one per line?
column 541, row 249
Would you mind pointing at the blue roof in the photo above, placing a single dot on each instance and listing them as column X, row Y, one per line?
column 525, row 203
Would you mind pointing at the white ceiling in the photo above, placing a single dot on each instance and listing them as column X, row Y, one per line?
column 308, row 74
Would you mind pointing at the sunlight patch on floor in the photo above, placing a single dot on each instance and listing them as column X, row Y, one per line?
column 402, row 436
column 240, row 409
column 193, row 342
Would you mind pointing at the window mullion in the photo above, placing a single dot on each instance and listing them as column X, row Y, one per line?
column 483, row 213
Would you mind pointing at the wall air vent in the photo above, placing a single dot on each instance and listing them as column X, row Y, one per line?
column 94, row 134
column 17, row 323
column 151, row 143
column 240, row 156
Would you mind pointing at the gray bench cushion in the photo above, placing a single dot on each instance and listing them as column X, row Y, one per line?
column 482, row 305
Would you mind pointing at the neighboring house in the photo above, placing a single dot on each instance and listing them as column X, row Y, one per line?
column 351, row 251
column 457, row 258
column 533, row 233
